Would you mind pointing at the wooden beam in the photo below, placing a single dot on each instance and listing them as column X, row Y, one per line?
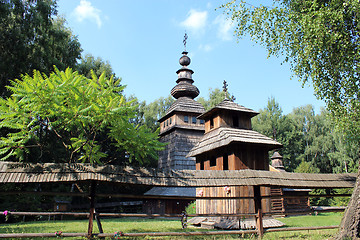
column 159, row 234
column 83, row 194
column 97, row 218
column 40, row 235
column 92, row 208
column 86, row 214
column 300, row 228
column 258, row 210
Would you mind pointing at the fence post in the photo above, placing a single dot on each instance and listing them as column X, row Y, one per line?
column 258, row 210
column 92, row 208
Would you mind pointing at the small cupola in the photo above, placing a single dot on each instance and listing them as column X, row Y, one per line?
column 228, row 114
column 277, row 161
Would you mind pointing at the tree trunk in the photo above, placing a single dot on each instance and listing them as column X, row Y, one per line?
column 350, row 223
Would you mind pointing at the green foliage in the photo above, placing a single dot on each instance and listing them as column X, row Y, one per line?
column 271, row 122
column 216, row 96
column 320, row 40
column 66, row 117
column 32, row 37
column 149, row 114
column 341, row 201
column 311, row 143
column 306, row 167
column 89, row 62
column 191, row 208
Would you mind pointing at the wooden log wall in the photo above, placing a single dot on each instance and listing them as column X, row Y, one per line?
column 230, row 206
column 238, row 157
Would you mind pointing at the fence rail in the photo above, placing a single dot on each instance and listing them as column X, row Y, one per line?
column 101, row 235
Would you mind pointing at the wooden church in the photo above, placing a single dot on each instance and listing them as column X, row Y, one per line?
column 219, row 139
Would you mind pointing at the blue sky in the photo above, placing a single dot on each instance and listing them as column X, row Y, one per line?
column 143, row 41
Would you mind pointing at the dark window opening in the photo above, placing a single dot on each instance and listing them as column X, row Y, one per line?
column 193, row 120
column 167, row 123
column 226, row 162
column 212, row 161
column 201, row 165
column 235, row 121
column 211, row 123
column 164, row 124
column 186, row 119
column 170, row 121
column 202, row 122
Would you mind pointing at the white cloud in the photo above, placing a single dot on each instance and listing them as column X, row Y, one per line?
column 196, row 21
column 86, row 11
column 225, row 27
column 206, row 47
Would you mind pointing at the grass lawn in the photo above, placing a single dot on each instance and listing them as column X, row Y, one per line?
column 165, row 225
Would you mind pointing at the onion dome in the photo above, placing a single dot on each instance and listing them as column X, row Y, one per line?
column 185, row 87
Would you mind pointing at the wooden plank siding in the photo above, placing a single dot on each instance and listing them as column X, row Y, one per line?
column 242, row 157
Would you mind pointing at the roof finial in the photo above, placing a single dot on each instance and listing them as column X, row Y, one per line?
column 225, row 90
column 227, row 95
column 184, row 41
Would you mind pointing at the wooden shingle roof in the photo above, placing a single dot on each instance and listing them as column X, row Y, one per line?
column 184, row 104
column 228, row 105
column 51, row 172
column 223, row 136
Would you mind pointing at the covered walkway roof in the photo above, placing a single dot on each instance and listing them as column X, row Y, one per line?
column 11, row 172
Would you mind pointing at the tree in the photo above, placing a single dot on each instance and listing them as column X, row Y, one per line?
column 308, row 138
column 156, row 110
column 269, row 119
column 272, row 123
column 216, row 96
column 66, row 117
column 99, row 66
column 32, row 37
column 149, row 114
column 320, row 40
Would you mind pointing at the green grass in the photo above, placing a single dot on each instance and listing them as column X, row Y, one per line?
column 166, row 225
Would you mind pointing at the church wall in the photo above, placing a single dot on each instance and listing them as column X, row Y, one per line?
column 240, row 156
column 180, row 141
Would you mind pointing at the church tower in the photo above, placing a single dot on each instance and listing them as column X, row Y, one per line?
column 180, row 127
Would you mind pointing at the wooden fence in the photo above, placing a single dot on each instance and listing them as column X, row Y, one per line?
column 93, row 215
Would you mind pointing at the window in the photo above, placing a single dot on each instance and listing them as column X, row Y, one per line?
column 212, row 161
column 211, row 123
column 186, row 119
column 193, row 119
column 167, row 122
column 164, row 124
column 202, row 122
column 225, row 162
column 170, row 121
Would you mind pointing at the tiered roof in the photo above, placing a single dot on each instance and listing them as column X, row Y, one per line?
column 184, row 91
column 226, row 104
column 223, row 136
